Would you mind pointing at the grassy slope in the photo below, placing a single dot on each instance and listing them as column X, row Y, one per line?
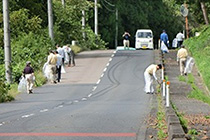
column 199, row 48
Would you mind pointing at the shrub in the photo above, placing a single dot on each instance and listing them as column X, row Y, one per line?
column 4, row 96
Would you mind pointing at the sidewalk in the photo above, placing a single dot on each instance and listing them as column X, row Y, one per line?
column 194, row 111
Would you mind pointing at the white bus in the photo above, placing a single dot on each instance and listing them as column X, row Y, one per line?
column 144, row 39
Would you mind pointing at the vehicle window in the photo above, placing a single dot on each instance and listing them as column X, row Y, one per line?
column 144, row 35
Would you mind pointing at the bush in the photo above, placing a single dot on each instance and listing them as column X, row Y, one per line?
column 4, row 96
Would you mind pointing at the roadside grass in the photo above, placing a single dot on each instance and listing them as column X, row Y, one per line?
column 196, row 93
column 161, row 122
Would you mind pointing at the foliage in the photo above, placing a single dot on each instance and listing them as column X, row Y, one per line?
column 135, row 14
column 4, row 96
column 161, row 124
column 29, row 47
column 199, row 48
column 180, row 115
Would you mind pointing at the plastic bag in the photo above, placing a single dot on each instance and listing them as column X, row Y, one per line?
column 22, row 85
column 46, row 71
column 63, row 69
column 164, row 48
column 174, row 43
column 189, row 65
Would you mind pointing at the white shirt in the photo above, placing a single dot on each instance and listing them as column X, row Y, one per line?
column 152, row 70
column 180, row 37
column 61, row 51
column 59, row 60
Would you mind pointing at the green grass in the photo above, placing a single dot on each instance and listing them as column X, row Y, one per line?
column 162, row 135
column 199, row 48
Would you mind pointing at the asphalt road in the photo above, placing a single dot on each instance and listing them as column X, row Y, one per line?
column 101, row 98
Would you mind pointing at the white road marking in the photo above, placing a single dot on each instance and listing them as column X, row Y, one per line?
column 26, row 116
column 102, row 75
column 1, row 124
column 90, row 95
column 110, row 59
column 44, row 110
column 84, row 99
column 60, row 106
column 76, row 101
column 94, row 88
column 98, row 81
column 105, row 69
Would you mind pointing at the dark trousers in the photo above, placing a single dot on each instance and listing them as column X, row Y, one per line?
column 179, row 43
column 71, row 58
column 59, row 73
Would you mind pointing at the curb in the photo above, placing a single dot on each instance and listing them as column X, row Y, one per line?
column 175, row 130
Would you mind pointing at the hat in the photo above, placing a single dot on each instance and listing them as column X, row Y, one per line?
column 28, row 62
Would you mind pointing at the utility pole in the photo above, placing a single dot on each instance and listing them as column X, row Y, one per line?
column 7, row 47
column 63, row 3
column 83, row 24
column 116, row 34
column 50, row 20
column 96, row 18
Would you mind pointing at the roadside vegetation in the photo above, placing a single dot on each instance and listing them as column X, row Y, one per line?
column 30, row 40
column 161, row 122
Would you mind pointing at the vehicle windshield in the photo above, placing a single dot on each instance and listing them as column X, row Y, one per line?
column 144, row 35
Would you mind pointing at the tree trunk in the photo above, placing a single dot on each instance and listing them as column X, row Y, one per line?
column 205, row 15
column 7, row 47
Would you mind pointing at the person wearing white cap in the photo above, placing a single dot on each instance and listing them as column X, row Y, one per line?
column 28, row 73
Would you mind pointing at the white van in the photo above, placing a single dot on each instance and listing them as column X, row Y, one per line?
column 144, row 39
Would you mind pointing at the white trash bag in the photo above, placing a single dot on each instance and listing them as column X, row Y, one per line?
column 189, row 65
column 164, row 48
column 46, row 71
column 22, row 85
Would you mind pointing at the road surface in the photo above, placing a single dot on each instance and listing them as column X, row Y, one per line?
column 101, row 98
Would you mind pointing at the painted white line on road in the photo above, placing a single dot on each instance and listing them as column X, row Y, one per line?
column 44, row 110
column 60, row 106
column 105, row 69
column 110, row 59
column 84, row 99
column 90, row 95
column 26, row 116
column 112, row 55
column 107, row 64
column 102, row 75
column 94, row 88
column 76, row 101
column 98, row 81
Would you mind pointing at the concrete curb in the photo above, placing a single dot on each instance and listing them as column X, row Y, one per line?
column 175, row 130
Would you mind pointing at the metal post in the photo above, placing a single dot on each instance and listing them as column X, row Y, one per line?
column 7, row 47
column 96, row 18
column 162, row 73
column 167, row 94
column 164, row 88
column 50, row 20
column 116, row 35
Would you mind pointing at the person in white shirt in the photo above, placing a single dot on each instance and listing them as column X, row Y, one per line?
column 180, row 39
column 58, row 65
column 61, row 52
column 149, row 74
